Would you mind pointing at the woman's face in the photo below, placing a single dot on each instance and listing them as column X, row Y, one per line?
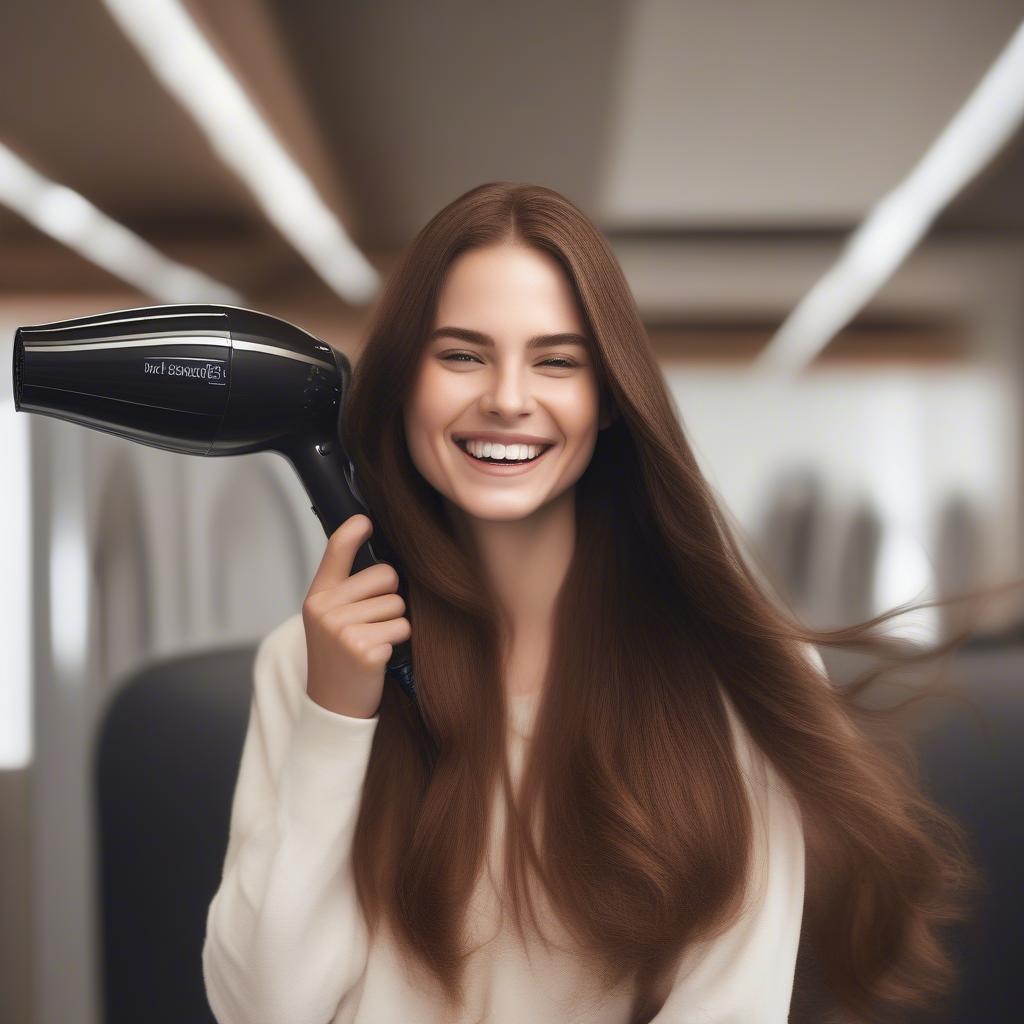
column 479, row 378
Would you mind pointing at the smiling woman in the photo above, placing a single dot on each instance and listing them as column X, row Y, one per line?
column 627, row 761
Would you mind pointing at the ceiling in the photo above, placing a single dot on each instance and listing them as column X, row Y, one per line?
column 709, row 118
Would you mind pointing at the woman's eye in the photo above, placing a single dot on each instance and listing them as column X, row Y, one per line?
column 559, row 362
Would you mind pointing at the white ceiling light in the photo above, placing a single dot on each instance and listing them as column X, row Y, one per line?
column 70, row 218
column 900, row 219
column 191, row 70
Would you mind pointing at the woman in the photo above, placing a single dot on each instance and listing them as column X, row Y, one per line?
column 630, row 792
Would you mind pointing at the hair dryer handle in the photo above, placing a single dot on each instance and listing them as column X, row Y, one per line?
column 329, row 477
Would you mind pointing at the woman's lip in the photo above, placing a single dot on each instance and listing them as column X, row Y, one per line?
column 492, row 469
column 505, row 439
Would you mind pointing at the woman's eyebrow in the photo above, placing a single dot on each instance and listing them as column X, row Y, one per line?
column 479, row 338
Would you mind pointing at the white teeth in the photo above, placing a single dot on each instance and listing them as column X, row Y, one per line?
column 489, row 449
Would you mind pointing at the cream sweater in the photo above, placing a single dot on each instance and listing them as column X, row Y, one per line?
column 286, row 942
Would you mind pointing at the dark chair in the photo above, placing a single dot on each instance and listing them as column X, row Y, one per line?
column 974, row 770
column 167, row 758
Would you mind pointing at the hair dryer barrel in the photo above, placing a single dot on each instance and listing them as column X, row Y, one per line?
column 164, row 376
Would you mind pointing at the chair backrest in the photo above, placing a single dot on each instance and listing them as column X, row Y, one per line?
column 166, row 763
column 973, row 766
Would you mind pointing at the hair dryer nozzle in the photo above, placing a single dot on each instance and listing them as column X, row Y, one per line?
column 19, row 358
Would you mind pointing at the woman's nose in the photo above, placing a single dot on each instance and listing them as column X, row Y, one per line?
column 508, row 392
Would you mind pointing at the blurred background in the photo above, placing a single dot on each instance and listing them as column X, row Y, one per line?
column 819, row 208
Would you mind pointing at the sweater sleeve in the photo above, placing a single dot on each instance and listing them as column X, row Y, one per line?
column 745, row 975
column 285, row 937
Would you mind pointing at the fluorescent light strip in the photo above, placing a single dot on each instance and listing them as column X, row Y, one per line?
column 70, row 218
column 191, row 70
column 896, row 224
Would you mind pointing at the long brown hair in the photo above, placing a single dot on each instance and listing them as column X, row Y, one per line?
column 646, row 827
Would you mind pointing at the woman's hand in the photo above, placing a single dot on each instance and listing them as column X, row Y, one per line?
column 352, row 624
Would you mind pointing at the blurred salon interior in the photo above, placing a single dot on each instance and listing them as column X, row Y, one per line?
column 819, row 207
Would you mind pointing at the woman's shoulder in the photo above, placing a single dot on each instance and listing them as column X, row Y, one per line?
column 279, row 670
column 755, row 762
column 749, row 756
column 813, row 655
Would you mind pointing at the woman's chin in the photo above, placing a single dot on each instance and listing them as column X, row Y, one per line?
column 502, row 514
column 499, row 507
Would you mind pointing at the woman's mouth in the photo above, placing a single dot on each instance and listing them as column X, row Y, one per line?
column 498, row 468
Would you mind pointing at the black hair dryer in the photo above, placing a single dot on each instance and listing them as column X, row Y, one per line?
column 207, row 380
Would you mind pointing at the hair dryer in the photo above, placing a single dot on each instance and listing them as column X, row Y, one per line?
column 207, row 380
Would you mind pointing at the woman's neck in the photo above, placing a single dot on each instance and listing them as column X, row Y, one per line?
column 526, row 561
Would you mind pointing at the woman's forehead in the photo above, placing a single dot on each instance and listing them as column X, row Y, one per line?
column 504, row 284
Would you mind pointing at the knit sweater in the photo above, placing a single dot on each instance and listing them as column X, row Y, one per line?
column 286, row 942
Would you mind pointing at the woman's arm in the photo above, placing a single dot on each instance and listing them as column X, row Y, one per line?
column 745, row 976
column 285, row 938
